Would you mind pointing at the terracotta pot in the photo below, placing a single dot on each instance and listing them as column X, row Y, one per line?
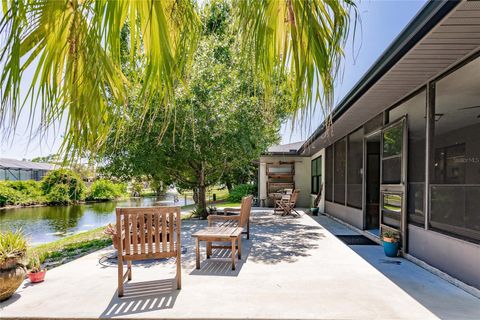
column 391, row 240
column 35, row 277
column 10, row 280
column 115, row 241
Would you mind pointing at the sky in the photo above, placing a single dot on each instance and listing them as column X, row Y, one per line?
column 381, row 22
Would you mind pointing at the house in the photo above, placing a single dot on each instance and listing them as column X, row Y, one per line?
column 403, row 152
column 11, row 169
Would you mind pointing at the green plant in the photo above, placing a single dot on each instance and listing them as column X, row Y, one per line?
column 8, row 196
column 137, row 187
column 103, row 189
column 212, row 210
column 389, row 234
column 58, row 194
column 303, row 39
column 63, row 186
column 27, row 192
column 240, row 191
column 13, row 248
column 34, row 264
column 20, row 193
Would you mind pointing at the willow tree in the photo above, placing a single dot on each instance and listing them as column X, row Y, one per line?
column 220, row 122
column 73, row 50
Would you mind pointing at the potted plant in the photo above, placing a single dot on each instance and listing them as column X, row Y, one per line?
column 13, row 249
column 111, row 230
column 35, row 273
column 390, row 243
column 212, row 210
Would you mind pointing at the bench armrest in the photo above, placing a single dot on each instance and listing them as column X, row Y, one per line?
column 233, row 210
column 213, row 217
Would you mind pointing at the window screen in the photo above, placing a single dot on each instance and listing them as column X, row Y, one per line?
column 355, row 169
column 329, row 173
column 455, row 176
column 339, row 168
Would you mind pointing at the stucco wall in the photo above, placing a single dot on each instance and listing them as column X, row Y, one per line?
column 348, row 214
column 454, row 256
column 301, row 178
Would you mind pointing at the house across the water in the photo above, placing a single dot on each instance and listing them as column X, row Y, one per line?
column 403, row 152
column 11, row 169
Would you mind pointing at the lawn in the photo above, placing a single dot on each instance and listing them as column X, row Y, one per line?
column 69, row 248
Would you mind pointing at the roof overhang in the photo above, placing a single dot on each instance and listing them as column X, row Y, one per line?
column 438, row 37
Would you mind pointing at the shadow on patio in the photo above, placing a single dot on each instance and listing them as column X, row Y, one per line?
column 443, row 299
column 143, row 297
column 274, row 240
column 282, row 239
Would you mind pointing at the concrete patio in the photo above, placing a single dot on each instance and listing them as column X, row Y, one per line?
column 291, row 268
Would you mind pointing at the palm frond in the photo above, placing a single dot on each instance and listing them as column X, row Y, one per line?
column 73, row 48
column 303, row 39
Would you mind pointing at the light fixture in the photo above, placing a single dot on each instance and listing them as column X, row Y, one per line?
column 438, row 116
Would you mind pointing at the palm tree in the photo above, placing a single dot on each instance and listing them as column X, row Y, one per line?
column 73, row 48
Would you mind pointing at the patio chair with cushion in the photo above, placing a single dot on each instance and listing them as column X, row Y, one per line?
column 286, row 205
column 147, row 233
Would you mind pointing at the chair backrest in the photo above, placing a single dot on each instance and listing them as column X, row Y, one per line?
column 152, row 232
column 294, row 197
column 245, row 209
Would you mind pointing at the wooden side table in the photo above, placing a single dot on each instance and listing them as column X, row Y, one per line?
column 219, row 234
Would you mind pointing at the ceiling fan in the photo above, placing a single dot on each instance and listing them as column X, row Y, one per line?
column 468, row 108
column 472, row 107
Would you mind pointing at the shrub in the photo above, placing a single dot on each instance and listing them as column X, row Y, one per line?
column 57, row 182
column 137, row 187
column 59, row 194
column 105, row 190
column 240, row 191
column 26, row 192
column 9, row 196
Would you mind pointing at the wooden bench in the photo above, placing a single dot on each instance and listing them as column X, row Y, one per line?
column 234, row 217
column 219, row 234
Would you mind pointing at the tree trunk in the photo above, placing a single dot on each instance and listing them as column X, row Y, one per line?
column 202, row 194
column 195, row 195
column 229, row 185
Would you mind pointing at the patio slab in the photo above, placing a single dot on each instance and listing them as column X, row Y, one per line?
column 292, row 268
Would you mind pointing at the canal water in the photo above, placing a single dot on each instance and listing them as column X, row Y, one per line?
column 46, row 224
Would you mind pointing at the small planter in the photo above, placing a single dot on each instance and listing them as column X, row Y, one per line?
column 36, row 277
column 390, row 247
column 390, row 243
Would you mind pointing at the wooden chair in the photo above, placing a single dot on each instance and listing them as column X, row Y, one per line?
column 287, row 204
column 240, row 217
column 147, row 233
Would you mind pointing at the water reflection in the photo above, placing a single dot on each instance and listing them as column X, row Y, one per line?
column 45, row 224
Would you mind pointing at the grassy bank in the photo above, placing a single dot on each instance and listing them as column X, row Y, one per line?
column 72, row 247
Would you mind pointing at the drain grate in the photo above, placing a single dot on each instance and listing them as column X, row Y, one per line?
column 356, row 240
